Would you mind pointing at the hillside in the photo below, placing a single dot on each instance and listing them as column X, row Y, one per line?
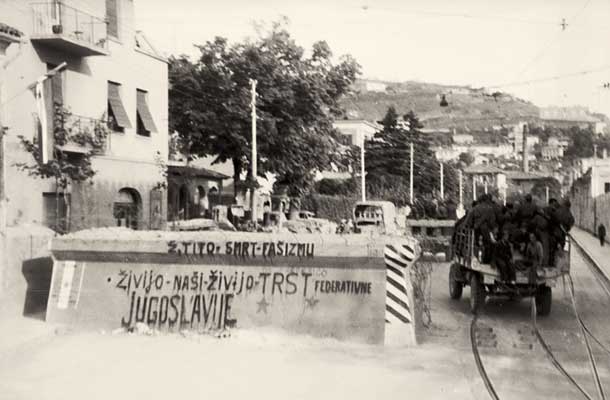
column 468, row 108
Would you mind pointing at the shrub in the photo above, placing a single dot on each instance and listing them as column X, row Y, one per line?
column 333, row 208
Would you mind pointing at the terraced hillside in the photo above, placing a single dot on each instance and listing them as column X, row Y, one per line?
column 471, row 108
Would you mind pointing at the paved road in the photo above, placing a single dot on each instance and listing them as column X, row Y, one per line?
column 517, row 371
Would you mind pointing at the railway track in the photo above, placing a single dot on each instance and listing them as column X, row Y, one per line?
column 586, row 334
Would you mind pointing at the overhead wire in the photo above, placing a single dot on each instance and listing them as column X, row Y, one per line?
column 544, row 48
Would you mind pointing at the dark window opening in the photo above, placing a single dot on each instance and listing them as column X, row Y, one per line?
column 112, row 18
column 607, row 187
column 140, row 129
column 56, row 211
column 126, row 208
column 144, row 120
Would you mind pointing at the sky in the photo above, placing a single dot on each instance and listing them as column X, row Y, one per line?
column 491, row 43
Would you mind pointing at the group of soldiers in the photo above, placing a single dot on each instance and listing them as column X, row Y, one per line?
column 502, row 232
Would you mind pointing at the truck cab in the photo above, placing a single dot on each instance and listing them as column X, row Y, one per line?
column 375, row 217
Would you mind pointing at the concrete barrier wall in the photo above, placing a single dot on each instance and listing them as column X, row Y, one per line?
column 348, row 287
column 25, row 269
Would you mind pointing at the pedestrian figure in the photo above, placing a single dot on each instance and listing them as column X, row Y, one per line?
column 601, row 234
column 503, row 258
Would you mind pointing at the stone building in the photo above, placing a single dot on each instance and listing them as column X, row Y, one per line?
column 109, row 75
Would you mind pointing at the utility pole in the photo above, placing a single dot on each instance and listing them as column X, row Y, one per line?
column 442, row 183
column 362, row 178
column 411, row 177
column 460, row 212
column 461, row 188
column 254, row 154
column 474, row 189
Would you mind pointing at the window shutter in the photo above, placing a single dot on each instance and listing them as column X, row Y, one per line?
column 116, row 105
column 144, row 112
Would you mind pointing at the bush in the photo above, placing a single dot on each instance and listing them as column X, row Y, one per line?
column 337, row 187
column 334, row 208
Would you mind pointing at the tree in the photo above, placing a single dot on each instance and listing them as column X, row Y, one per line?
column 582, row 143
column 66, row 167
column 466, row 158
column 388, row 159
column 297, row 101
column 539, row 188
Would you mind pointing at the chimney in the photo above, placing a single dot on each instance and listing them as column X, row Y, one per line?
column 525, row 152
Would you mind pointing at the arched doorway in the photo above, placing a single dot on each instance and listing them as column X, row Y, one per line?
column 204, row 203
column 127, row 207
column 183, row 202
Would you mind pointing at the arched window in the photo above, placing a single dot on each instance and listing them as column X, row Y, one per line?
column 126, row 208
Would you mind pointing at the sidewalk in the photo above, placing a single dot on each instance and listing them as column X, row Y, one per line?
column 599, row 254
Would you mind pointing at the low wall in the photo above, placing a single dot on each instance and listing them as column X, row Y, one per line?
column 434, row 235
column 25, row 269
column 349, row 287
column 589, row 212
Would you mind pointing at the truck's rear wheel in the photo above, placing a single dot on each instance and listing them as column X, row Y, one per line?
column 477, row 292
column 544, row 299
column 455, row 285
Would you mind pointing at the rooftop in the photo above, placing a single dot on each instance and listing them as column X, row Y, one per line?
column 523, row 176
column 181, row 169
column 482, row 169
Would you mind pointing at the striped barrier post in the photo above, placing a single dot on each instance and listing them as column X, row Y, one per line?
column 399, row 319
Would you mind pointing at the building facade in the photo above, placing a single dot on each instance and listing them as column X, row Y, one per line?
column 105, row 74
column 356, row 131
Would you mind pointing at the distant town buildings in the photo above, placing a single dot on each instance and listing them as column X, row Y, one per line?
column 462, row 138
column 355, row 131
column 364, row 85
column 567, row 117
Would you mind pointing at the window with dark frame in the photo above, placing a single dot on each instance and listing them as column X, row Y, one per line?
column 56, row 211
column 144, row 120
column 607, row 187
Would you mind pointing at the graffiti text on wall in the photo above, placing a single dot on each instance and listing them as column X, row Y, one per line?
column 242, row 249
column 204, row 298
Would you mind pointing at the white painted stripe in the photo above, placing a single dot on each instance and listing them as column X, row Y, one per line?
column 390, row 317
column 392, row 274
column 396, row 293
column 408, row 254
column 397, row 307
column 393, row 264
column 393, row 254
column 394, row 290
column 66, row 284
column 80, row 285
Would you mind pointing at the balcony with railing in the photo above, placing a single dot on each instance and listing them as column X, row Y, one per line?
column 80, row 134
column 66, row 28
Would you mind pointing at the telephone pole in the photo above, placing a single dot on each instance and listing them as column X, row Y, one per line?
column 362, row 178
column 411, row 176
column 253, row 83
column 461, row 187
column 442, row 183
